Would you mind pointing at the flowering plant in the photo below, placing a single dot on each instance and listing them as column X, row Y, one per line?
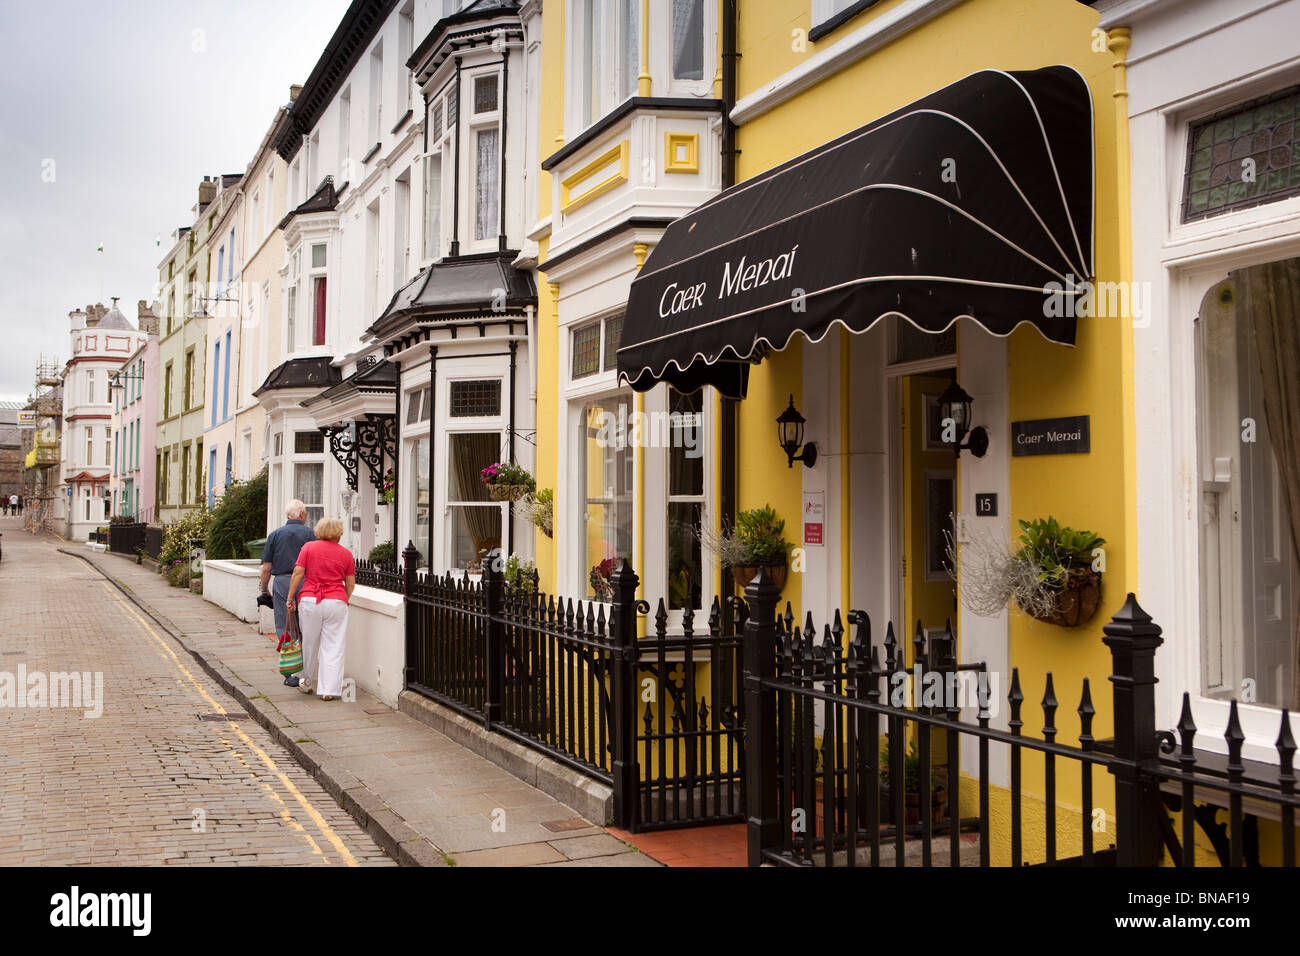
column 390, row 487
column 602, row 587
column 507, row 473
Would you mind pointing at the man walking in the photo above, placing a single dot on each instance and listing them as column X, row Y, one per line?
column 19, row 503
column 278, row 559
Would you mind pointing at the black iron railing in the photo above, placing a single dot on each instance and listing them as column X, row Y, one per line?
column 386, row 577
column 821, row 792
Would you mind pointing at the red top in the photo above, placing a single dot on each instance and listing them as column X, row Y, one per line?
column 325, row 565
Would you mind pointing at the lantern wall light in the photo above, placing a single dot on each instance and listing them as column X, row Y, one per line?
column 789, row 432
column 955, row 405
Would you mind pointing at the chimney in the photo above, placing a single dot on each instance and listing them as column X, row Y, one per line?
column 146, row 320
column 77, row 318
column 207, row 191
column 294, row 90
column 94, row 313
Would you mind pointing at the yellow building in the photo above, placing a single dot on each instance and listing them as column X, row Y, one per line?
column 904, row 226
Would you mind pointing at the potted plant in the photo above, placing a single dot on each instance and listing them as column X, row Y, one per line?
column 507, row 481
column 1050, row 577
column 390, row 487
column 912, row 787
column 601, row 580
column 756, row 541
column 539, row 508
column 383, row 553
column 1063, row 558
column 518, row 573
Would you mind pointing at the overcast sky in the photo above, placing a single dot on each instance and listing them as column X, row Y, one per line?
column 126, row 106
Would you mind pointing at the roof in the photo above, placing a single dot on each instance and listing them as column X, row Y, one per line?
column 314, row 372
column 373, row 376
column 479, row 10
column 324, row 199
column 453, row 287
column 114, row 319
column 351, row 38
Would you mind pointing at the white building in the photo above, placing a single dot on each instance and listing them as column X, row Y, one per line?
column 395, row 226
column 1213, row 89
column 102, row 339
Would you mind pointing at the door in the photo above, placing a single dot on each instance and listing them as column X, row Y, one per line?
column 928, row 493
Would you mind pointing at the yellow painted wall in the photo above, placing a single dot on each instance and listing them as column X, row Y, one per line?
column 1090, row 491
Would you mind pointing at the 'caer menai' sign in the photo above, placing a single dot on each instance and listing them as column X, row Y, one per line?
column 1051, row 436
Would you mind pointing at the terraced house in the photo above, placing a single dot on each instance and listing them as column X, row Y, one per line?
column 183, row 281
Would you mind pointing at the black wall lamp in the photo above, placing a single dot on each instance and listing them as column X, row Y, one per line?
column 954, row 403
column 789, row 432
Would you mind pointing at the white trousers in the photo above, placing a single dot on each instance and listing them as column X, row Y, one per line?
column 324, row 626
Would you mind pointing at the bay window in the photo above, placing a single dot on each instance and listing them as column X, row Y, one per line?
column 608, row 54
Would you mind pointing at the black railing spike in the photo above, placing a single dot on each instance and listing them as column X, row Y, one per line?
column 837, row 628
column 1086, row 712
column 1050, row 704
column 1286, row 747
column 789, row 618
column 703, row 713
column 600, row 619
column 918, row 643
column 648, row 719
column 661, row 619
column 1186, row 726
column 568, row 617
column 1015, row 698
column 1234, row 737
column 688, row 620
column 808, row 627
column 591, row 617
column 715, row 616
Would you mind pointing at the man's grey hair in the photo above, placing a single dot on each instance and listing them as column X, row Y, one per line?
column 294, row 508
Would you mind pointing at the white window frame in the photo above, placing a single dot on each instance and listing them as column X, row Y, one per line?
column 575, row 119
column 452, row 370
column 661, row 52
column 474, row 124
column 1187, row 260
column 413, row 384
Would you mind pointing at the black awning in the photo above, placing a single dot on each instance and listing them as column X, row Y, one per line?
column 967, row 203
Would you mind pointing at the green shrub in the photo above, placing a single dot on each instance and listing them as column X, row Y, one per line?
column 178, row 534
column 385, row 553
column 239, row 516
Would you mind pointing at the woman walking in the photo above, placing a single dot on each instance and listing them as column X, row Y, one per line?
column 321, row 586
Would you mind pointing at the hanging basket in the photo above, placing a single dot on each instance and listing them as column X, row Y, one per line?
column 499, row 492
column 1076, row 603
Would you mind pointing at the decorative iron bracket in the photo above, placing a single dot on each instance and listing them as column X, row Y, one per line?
column 344, row 451
column 377, row 437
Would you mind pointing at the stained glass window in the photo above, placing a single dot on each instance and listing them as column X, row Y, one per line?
column 1243, row 157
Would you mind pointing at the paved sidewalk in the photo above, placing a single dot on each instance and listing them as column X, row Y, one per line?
column 423, row 797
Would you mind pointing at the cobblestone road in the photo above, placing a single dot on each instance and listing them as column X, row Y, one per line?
column 147, row 782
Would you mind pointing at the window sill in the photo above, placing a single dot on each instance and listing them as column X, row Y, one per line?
column 371, row 155
column 401, row 122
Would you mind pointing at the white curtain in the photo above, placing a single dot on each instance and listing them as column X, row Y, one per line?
column 488, row 189
column 688, row 39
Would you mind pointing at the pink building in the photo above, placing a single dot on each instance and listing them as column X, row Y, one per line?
column 135, row 417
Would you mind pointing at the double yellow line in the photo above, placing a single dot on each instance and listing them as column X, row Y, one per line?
column 325, row 830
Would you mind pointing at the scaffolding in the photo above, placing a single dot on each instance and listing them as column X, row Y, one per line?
column 41, row 478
